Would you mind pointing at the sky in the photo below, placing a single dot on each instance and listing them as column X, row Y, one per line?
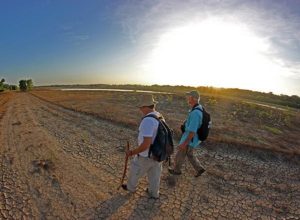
column 222, row 43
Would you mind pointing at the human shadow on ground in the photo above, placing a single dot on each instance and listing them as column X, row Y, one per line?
column 146, row 208
column 107, row 208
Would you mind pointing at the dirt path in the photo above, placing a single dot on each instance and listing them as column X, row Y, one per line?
column 60, row 164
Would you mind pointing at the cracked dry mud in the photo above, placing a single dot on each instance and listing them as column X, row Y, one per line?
column 60, row 164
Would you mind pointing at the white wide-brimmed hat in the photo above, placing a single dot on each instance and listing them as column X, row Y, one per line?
column 146, row 100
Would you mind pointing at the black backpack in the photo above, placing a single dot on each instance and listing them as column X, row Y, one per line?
column 163, row 146
column 203, row 131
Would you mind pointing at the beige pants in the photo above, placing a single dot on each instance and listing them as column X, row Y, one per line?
column 141, row 166
column 180, row 158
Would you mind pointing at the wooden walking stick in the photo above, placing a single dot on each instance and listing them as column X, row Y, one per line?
column 125, row 166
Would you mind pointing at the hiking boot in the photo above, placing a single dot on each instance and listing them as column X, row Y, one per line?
column 124, row 186
column 200, row 172
column 150, row 196
column 173, row 172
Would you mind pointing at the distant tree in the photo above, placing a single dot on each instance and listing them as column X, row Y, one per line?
column 23, row 85
column 2, row 84
column 13, row 87
column 29, row 84
column 6, row 86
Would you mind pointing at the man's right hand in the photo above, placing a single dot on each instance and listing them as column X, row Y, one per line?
column 128, row 153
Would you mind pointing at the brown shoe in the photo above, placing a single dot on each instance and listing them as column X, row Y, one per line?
column 199, row 173
column 124, row 186
column 174, row 172
column 150, row 196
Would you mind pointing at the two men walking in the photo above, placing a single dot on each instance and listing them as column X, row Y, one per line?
column 143, row 163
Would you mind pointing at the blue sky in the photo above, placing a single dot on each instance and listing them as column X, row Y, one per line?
column 248, row 44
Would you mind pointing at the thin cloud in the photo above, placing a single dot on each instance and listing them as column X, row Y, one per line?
column 80, row 37
column 70, row 34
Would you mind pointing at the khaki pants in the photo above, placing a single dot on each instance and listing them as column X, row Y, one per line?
column 180, row 158
column 141, row 166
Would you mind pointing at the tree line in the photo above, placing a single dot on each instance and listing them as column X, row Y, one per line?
column 283, row 100
column 24, row 85
column 5, row 86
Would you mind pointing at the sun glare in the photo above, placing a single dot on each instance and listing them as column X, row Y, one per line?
column 213, row 53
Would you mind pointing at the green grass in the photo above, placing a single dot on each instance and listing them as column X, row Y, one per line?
column 272, row 129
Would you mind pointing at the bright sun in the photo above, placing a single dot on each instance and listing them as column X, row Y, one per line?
column 213, row 53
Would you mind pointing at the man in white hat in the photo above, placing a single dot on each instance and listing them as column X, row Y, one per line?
column 141, row 163
column 189, row 139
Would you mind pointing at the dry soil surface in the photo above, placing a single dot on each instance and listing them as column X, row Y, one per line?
column 59, row 164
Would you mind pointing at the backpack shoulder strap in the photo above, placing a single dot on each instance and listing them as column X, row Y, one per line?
column 201, row 110
column 153, row 116
column 160, row 121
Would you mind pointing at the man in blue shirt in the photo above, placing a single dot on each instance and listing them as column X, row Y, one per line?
column 189, row 139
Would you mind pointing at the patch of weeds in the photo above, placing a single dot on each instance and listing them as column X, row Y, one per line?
column 272, row 130
column 170, row 98
column 85, row 136
column 253, row 139
column 211, row 101
column 40, row 165
column 16, row 123
column 287, row 118
column 55, row 182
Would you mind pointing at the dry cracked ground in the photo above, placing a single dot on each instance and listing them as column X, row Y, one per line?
column 60, row 164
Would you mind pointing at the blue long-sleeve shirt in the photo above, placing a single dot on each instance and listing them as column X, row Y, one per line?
column 193, row 122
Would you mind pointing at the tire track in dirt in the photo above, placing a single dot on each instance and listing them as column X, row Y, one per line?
column 15, row 202
column 84, row 136
column 4, row 99
column 26, row 136
column 31, row 145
